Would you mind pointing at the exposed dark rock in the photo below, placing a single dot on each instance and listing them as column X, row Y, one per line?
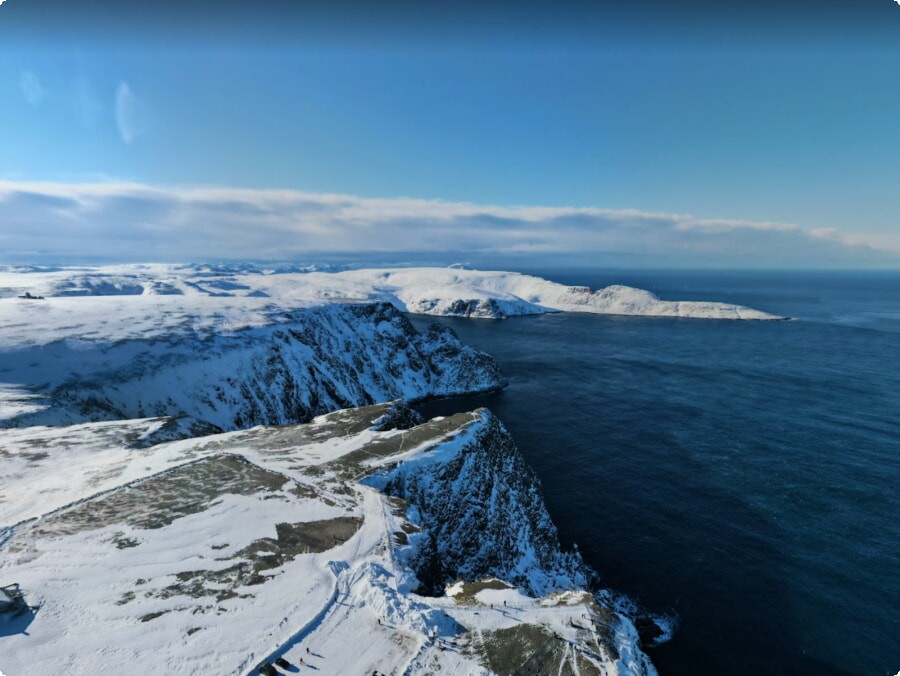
column 484, row 515
column 648, row 629
column 400, row 416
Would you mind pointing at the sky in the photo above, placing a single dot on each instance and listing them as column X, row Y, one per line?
column 700, row 134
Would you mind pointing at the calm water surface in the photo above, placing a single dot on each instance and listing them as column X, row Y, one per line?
column 742, row 475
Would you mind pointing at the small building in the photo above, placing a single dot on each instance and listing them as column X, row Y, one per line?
column 12, row 600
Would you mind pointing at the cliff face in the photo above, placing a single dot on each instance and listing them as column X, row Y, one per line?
column 478, row 520
column 483, row 515
column 318, row 360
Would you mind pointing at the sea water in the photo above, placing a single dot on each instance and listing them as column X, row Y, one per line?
column 743, row 477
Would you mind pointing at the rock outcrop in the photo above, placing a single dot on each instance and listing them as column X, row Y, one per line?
column 483, row 515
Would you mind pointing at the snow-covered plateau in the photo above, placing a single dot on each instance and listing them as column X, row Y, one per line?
column 366, row 540
column 431, row 291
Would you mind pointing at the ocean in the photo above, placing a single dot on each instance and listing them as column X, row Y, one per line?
column 742, row 477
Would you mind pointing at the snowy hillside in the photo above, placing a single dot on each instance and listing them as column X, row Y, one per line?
column 114, row 359
column 431, row 291
column 320, row 544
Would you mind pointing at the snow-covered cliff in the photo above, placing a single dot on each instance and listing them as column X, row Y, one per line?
column 433, row 291
column 217, row 554
column 310, row 361
column 496, row 295
column 484, row 515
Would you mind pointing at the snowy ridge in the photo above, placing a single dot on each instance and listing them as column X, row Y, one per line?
column 315, row 360
column 215, row 554
column 482, row 486
column 432, row 291
column 497, row 295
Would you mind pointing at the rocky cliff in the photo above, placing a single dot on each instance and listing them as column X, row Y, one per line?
column 218, row 554
column 313, row 361
column 483, row 515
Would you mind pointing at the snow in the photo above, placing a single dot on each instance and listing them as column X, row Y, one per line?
column 95, row 455
column 115, row 302
column 123, row 361
column 147, row 539
column 118, row 595
column 498, row 597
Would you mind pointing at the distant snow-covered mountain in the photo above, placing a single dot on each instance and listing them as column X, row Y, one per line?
column 432, row 291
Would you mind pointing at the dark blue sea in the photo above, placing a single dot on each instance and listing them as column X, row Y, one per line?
column 742, row 476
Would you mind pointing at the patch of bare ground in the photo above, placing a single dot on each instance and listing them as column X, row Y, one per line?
column 161, row 499
column 259, row 561
column 529, row 649
column 468, row 591
column 354, row 465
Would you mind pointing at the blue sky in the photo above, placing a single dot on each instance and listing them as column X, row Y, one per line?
column 748, row 119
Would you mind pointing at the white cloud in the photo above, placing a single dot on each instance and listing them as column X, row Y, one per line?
column 125, row 221
column 31, row 86
column 127, row 113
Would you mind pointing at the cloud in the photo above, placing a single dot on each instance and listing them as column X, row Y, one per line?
column 31, row 86
column 127, row 221
column 127, row 113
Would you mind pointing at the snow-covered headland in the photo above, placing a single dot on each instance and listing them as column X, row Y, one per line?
column 365, row 540
column 431, row 291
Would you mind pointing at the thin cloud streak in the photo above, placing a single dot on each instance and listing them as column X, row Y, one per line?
column 130, row 221
column 126, row 112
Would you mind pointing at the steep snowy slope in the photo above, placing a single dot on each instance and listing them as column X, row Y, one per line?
column 435, row 291
column 520, row 544
column 113, row 359
column 216, row 554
